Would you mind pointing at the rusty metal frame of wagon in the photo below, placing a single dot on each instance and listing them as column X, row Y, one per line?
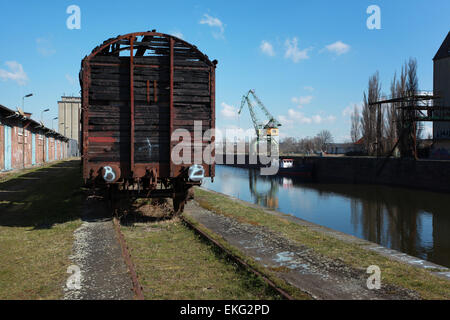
column 113, row 47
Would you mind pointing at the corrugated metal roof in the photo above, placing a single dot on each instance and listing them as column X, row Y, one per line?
column 9, row 112
column 444, row 50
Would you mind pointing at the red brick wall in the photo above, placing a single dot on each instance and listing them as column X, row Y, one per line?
column 51, row 149
column 39, row 149
column 23, row 143
column 16, row 148
column 28, row 147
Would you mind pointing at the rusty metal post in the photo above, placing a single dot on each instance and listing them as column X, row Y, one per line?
column 85, row 113
column 132, row 104
column 213, row 117
column 23, row 147
column 148, row 91
column 171, row 109
column 43, row 147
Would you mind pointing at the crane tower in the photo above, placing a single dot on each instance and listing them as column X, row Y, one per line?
column 265, row 131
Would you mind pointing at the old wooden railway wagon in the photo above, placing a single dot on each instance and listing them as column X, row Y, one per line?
column 137, row 90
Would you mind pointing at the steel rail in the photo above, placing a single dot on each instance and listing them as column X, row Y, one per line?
column 238, row 260
column 137, row 288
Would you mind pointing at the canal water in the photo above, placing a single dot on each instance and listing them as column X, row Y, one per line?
column 411, row 221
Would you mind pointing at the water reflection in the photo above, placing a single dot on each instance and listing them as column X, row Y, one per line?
column 412, row 221
column 264, row 194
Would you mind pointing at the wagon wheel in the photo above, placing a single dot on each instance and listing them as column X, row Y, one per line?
column 180, row 200
column 178, row 204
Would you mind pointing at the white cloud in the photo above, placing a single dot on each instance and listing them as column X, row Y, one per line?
column 295, row 117
column 70, row 79
column 319, row 119
column 298, row 116
column 15, row 73
column 293, row 52
column 45, row 47
column 285, row 121
column 177, row 34
column 215, row 23
column 302, row 100
column 348, row 110
column 228, row 111
column 338, row 48
column 308, row 88
column 267, row 48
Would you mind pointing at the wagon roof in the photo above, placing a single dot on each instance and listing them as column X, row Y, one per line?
column 152, row 33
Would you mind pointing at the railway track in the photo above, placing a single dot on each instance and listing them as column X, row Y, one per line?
column 137, row 288
column 236, row 259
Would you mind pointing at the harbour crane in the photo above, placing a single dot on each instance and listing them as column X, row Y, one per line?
column 264, row 131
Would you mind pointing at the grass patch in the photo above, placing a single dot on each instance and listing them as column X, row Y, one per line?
column 427, row 285
column 172, row 262
column 9, row 175
column 39, row 211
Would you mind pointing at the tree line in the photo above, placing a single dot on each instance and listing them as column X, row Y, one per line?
column 386, row 126
column 308, row 145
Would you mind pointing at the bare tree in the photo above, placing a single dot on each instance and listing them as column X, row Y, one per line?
column 400, row 89
column 406, row 128
column 374, row 93
column 323, row 138
column 306, row 145
column 366, row 126
column 412, row 88
column 355, row 119
column 372, row 123
column 383, row 127
column 391, row 117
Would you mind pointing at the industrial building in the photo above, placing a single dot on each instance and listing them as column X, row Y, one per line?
column 441, row 89
column 25, row 143
column 69, row 110
column 345, row 148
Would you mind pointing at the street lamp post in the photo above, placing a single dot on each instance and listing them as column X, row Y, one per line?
column 23, row 131
column 53, row 120
column 23, row 100
column 42, row 114
column 44, row 137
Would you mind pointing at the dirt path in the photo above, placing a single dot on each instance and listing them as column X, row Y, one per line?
column 96, row 251
column 312, row 273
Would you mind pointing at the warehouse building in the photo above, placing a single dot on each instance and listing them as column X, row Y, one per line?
column 25, row 143
column 441, row 88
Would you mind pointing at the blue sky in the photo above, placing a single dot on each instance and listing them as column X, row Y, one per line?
column 309, row 61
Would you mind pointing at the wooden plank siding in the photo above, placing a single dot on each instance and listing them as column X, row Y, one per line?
column 106, row 83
